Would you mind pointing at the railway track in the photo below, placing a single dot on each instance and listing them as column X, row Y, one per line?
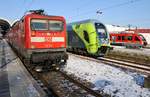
column 89, row 90
column 141, row 68
column 62, row 85
column 58, row 83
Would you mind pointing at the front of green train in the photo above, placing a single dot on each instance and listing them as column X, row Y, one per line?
column 102, row 38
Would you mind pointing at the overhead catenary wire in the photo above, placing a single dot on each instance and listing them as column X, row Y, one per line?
column 119, row 5
column 78, row 7
column 100, row 11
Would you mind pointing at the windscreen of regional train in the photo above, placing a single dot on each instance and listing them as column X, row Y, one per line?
column 142, row 38
column 53, row 25
column 101, row 30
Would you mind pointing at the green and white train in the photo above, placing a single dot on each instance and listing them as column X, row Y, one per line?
column 88, row 37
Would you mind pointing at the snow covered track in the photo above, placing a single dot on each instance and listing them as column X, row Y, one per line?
column 107, row 79
column 89, row 90
column 63, row 85
column 142, row 68
column 59, row 84
column 130, row 65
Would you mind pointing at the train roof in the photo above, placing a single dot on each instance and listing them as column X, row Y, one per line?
column 39, row 13
column 85, row 21
column 125, row 34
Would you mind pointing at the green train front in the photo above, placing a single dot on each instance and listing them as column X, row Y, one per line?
column 88, row 36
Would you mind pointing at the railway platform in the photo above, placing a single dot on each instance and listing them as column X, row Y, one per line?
column 15, row 80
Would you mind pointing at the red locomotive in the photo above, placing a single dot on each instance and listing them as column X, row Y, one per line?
column 130, row 40
column 40, row 38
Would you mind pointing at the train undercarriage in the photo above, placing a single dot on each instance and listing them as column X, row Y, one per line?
column 82, row 51
column 43, row 60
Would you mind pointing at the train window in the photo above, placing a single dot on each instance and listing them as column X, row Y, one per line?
column 142, row 38
column 77, row 26
column 129, row 37
column 136, row 38
column 86, row 37
column 119, row 37
column 101, row 30
column 56, row 25
column 113, row 38
column 37, row 24
column 123, row 37
column 22, row 27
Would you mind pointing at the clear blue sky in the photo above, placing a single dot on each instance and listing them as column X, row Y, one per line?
column 119, row 12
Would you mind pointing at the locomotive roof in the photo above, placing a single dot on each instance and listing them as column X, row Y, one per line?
column 85, row 21
column 44, row 15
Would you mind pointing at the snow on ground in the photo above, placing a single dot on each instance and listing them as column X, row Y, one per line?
column 142, row 51
column 109, row 79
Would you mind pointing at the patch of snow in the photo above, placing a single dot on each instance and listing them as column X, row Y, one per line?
column 142, row 51
column 109, row 79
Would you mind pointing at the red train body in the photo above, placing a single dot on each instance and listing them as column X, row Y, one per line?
column 132, row 40
column 40, row 38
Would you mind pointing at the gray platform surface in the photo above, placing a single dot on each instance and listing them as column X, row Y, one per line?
column 15, row 81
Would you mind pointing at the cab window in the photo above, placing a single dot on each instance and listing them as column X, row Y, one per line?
column 37, row 24
column 129, row 37
column 56, row 25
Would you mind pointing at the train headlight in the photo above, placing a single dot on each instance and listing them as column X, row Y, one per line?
column 33, row 33
column 62, row 60
column 53, row 64
column 32, row 46
column 48, row 34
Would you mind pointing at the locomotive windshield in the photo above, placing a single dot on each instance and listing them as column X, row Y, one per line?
column 101, row 30
column 37, row 24
column 53, row 25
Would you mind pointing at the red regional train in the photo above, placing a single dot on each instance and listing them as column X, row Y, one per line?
column 40, row 38
column 130, row 40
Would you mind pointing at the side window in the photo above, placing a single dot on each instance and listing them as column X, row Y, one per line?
column 123, row 38
column 129, row 37
column 77, row 26
column 119, row 37
column 86, row 37
column 113, row 38
column 22, row 26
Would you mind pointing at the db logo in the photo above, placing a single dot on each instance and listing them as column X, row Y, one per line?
column 49, row 39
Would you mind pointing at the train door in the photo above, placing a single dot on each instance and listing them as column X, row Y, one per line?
column 113, row 39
